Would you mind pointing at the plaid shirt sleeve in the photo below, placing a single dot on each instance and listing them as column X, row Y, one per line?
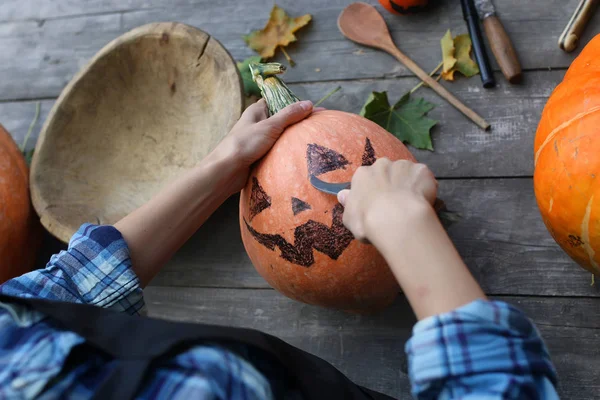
column 484, row 350
column 96, row 269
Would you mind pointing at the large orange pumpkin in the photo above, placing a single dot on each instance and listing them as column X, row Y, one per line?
column 294, row 234
column 567, row 161
column 19, row 225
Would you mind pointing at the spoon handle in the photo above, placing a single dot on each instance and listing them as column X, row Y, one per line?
column 439, row 89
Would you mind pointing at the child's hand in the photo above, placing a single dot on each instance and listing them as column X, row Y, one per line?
column 385, row 193
column 254, row 134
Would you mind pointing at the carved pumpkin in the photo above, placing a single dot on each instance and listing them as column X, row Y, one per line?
column 19, row 225
column 403, row 6
column 294, row 234
column 567, row 166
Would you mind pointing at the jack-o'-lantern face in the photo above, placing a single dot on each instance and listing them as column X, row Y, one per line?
column 330, row 238
column 294, row 234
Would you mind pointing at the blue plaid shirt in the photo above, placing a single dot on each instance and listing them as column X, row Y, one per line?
column 484, row 350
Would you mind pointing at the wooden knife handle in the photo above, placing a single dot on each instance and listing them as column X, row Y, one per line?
column 569, row 39
column 502, row 48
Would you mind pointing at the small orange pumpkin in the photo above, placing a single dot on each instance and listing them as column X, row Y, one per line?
column 567, row 166
column 294, row 234
column 19, row 225
column 404, row 6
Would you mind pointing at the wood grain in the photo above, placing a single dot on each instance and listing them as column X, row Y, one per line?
column 461, row 149
column 370, row 349
column 501, row 236
column 46, row 42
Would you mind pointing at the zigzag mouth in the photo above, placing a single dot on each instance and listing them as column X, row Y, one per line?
column 331, row 241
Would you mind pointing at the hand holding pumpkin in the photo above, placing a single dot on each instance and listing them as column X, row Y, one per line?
column 386, row 192
column 254, row 135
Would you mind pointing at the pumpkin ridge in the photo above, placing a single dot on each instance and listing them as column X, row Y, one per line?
column 585, row 234
column 560, row 128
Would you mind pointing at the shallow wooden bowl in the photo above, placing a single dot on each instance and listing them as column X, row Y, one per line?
column 149, row 105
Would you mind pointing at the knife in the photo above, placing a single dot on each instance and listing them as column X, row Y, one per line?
column 335, row 188
column 502, row 47
column 330, row 188
column 485, row 71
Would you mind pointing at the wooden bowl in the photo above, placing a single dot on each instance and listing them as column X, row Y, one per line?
column 151, row 104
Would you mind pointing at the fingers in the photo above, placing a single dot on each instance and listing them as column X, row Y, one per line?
column 428, row 184
column 290, row 115
column 256, row 112
column 342, row 196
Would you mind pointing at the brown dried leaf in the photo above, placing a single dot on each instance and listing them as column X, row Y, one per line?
column 278, row 32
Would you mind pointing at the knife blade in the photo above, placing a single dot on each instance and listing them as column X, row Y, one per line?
column 334, row 188
column 500, row 43
column 326, row 187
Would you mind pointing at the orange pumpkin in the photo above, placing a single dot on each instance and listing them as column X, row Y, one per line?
column 19, row 225
column 567, row 166
column 293, row 233
column 403, row 6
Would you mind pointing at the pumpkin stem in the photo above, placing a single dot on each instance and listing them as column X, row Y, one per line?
column 273, row 90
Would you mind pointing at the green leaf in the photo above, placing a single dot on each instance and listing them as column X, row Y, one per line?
column 406, row 119
column 250, row 87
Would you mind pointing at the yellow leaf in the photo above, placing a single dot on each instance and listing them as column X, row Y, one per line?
column 461, row 54
column 448, row 51
column 278, row 32
column 464, row 64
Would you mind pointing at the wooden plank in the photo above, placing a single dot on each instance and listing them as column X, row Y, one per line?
column 370, row 349
column 41, row 56
column 461, row 148
column 501, row 237
column 17, row 116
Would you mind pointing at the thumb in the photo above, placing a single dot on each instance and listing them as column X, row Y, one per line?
column 291, row 114
column 343, row 196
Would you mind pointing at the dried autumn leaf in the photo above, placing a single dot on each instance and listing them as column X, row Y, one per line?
column 462, row 56
column 278, row 32
column 464, row 64
column 448, row 52
column 406, row 120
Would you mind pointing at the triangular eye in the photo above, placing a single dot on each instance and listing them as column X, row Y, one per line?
column 368, row 157
column 321, row 159
column 259, row 199
column 298, row 206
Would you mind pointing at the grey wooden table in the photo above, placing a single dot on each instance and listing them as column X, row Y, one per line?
column 484, row 176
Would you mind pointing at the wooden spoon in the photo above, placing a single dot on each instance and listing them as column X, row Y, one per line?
column 361, row 23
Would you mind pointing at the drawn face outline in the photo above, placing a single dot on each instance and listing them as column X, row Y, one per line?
column 330, row 240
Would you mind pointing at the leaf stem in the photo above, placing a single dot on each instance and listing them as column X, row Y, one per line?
column 31, row 125
column 440, row 65
column 328, row 95
column 287, row 57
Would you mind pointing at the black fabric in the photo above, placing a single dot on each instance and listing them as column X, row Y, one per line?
column 135, row 343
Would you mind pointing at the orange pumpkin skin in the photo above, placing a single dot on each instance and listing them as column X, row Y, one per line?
column 19, row 225
column 567, row 166
column 400, row 7
column 359, row 279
